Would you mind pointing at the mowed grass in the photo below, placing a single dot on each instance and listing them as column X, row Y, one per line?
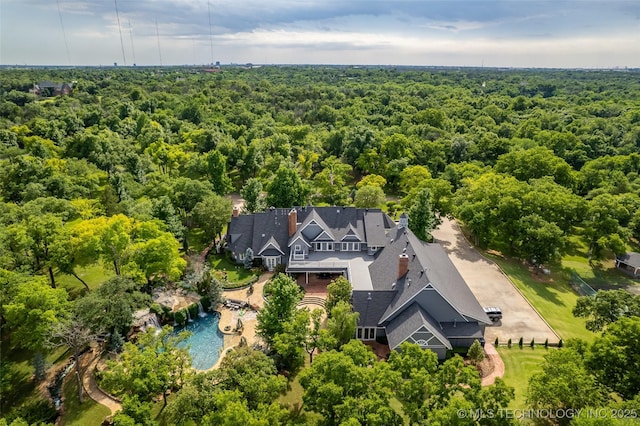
column 93, row 275
column 235, row 273
column 519, row 366
column 89, row 413
column 601, row 274
column 552, row 296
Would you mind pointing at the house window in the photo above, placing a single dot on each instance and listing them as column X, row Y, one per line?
column 366, row 333
column 297, row 248
column 324, row 246
column 350, row 246
column 241, row 256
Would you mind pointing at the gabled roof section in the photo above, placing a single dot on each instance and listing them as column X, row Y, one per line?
column 271, row 225
column 351, row 234
column 410, row 321
column 240, row 233
column 324, row 236
column 313, row 217
column 297, row 238
column 271, row 244
column 371, row 305
column 428, row 265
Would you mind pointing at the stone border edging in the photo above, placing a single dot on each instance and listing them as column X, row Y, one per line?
column 508, row 278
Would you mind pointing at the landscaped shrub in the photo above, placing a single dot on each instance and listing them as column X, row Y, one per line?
column 546, row 343
column 520, row 343
column 206, row 303
column 495, row 343
column 193, row 310
column 156, row 308
column 560, row 344
column 509, row 343
column 180, row 317
column 532, row 344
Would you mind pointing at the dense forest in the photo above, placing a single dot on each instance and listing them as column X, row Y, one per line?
column 129, row 175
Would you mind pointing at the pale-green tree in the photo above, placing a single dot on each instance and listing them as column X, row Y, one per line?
column 279, row 308
column 154, row 366
column 253, row 197
column 369, row 196
column 338, row 290
column 421, row 217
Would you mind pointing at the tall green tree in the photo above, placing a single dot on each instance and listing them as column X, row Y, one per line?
column 606, row 307
column 350, row 386
column 30, row 314
column 564, row 383
column 279, row 308
column 613, row 357
column 110, row 307
column 154, row 366
column 338, row 290
column 341, row 325
column 287, row 189
column 254, row 200
column 212, row 215
column 217, row 172
column 421, row 217
column 369, row 196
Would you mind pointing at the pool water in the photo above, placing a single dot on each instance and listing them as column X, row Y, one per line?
column 206, row 341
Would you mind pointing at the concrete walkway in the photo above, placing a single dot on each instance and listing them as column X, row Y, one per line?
column 492, row 287
column 91, row 387
column 498, row 366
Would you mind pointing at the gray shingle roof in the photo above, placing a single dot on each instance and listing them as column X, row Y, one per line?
column 408, row 322
column 428, row 264
column 462, row 330
column 371, row 305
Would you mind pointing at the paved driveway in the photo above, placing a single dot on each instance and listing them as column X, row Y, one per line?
column 492, row 288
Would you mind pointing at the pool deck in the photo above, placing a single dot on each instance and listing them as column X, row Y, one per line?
column 229, row 318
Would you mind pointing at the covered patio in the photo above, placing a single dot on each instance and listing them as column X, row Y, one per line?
column 629, row 263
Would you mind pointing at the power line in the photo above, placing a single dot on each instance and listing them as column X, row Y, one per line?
column 210, row 32
column 131, row 38
column 158, row 37
column 124, row 59
column 64, row 33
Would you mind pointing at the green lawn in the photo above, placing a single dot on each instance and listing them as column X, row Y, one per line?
column 601, row 275
column 552, row 297
column 519, row 366
column 236, row 274
column 88, row 413
column 93, row 275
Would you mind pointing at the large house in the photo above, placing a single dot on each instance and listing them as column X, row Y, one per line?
column 403, row 288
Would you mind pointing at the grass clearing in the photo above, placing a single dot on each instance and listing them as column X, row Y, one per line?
column 88, row 413
column 601, row 275
column 552, row 297
column 93, row 275
column 519, row 366
column 236, row 275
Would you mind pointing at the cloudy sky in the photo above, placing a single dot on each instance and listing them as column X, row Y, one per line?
column 515, row 33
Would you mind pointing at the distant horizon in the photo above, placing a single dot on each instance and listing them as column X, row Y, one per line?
column 572, row 34
column 336, row 65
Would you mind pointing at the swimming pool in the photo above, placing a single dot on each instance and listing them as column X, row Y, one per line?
column 206, row 341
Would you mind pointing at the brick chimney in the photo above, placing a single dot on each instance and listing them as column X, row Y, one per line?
column 293, row 222
column 403, row 265
column 235, row 212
